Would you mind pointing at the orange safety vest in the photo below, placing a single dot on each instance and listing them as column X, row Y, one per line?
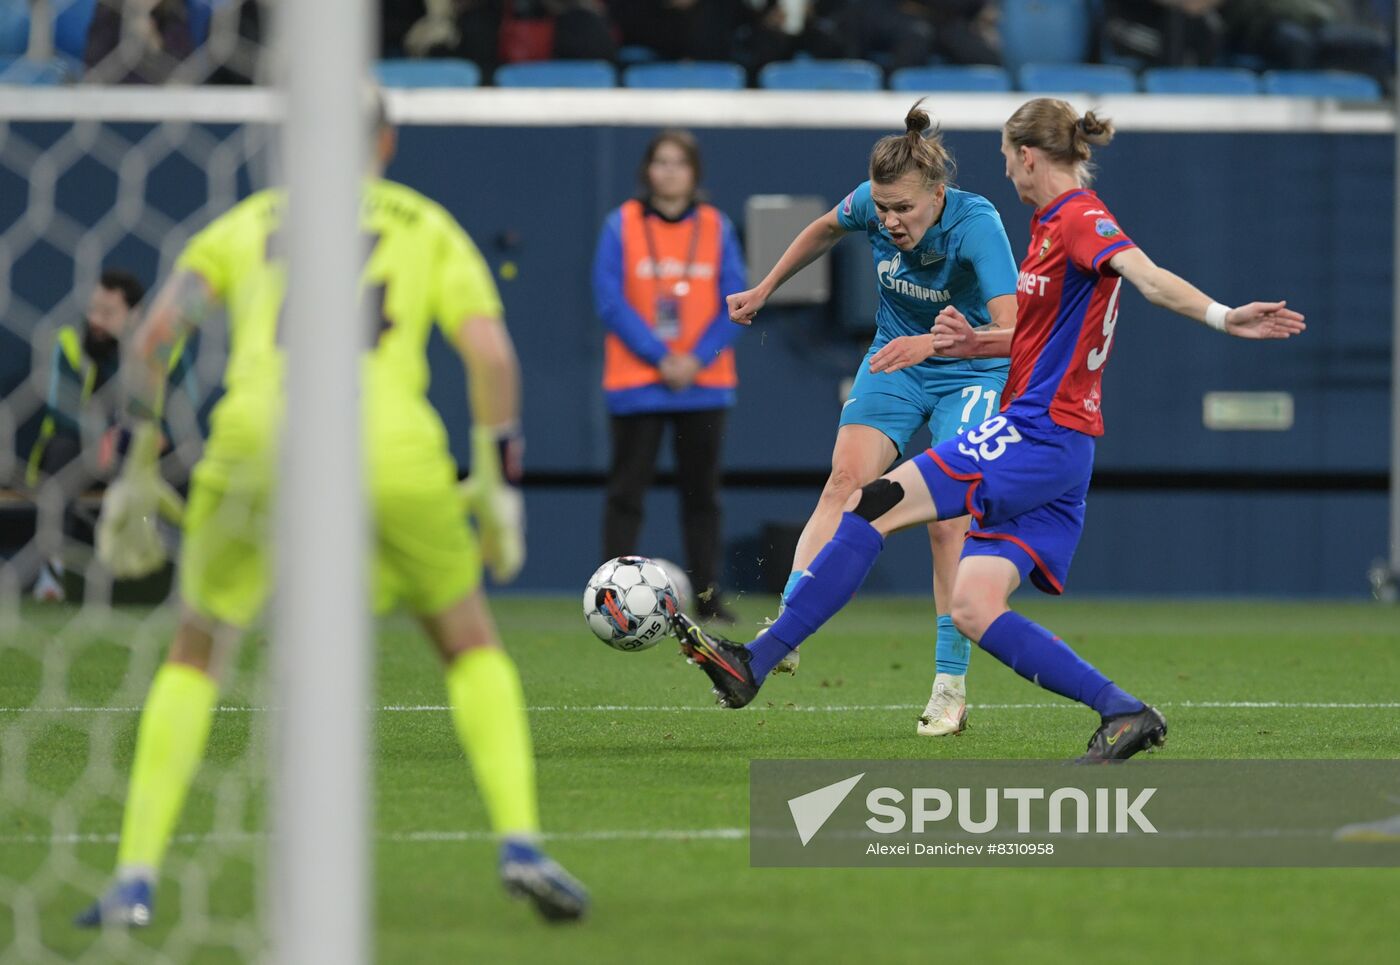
column 650, row 276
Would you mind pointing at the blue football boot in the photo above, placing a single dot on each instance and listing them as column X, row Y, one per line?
column 128, row 903
column 527, row 872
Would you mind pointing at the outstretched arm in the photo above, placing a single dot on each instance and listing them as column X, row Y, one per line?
column 1263, row 320
column 127, row 537
column 183, row 304
column 492, row 494
column 815, row 240
column 954, row 337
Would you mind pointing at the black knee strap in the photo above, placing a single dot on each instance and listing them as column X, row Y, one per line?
column 878, row 498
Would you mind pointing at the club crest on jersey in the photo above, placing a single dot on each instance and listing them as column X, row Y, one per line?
column 1044, row 248
column 1106, row 228
column 930, row 257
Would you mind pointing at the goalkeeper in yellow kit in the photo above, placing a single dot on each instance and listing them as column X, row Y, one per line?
column 422, row 269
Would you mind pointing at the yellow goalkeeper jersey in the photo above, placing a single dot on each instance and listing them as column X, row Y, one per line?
column 422, row 269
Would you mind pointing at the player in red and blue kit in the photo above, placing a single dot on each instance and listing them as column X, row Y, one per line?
column 1022, row 475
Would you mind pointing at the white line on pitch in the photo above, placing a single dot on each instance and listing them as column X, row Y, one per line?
column 843, row 708
column 408, row 837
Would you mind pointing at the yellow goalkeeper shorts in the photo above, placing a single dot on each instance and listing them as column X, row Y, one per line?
column 426, row 557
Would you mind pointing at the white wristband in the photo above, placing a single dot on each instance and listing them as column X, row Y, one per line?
column 1216, row 315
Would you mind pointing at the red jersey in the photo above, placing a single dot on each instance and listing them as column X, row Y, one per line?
column 1066, row 309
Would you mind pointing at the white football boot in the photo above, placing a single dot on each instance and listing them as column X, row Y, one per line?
column 789, row 663
column 946, row 713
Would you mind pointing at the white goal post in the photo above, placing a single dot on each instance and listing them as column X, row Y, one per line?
column 321, row 845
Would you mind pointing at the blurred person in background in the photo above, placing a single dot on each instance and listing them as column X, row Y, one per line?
column 903, row 33
column 137, row 41
column 1350, row 35
column 664, row 265
column 1166, row 33
column 85, row 358
column 752, row 32
column 465, row 29
column 556, row 29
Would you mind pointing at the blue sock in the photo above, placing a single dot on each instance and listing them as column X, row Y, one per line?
column 793, row 579
column 954, row 649
column 1044, row 659
column 837, row 572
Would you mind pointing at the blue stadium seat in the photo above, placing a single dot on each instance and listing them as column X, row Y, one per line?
column 1044, row 32
column 1077, row 78
column 707, row 75
column 32, row 73
column 821, row 75
column 636, row 54
column 970, row 79
column 1319, row 83
column 558, row 73
column 1200, row 80
column 71, row 19
column 14, row 27
column 428, row 73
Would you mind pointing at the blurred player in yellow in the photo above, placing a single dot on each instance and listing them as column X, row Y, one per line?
column 422, row 270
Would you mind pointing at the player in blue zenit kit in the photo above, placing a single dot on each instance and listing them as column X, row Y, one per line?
column 932, row 246
column 1023, row 474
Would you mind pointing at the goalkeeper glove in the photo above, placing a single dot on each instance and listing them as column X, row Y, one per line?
column 128, row 537
column 491, row 496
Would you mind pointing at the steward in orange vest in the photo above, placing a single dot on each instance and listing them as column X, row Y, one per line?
column 659, row 286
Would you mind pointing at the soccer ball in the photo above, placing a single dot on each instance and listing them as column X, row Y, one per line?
column 680, row 583
column 628, row 603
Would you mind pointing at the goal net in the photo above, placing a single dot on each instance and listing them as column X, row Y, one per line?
column 107, row 169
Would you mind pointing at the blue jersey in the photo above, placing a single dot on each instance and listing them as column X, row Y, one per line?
column 964, row 260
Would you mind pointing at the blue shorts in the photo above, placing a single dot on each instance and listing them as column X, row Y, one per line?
column 949, row 397
column 1023, row 482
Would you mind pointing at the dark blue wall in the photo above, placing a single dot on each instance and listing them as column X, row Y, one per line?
column 1306, row 217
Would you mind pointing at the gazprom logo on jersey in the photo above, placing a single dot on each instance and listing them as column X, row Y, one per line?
column 887, row 270
column 976, row 812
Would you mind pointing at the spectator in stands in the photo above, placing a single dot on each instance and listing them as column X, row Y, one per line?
column 881, row 30
column 1165, row 33
column 904, row 33
column 558, row 29
column 771, row 33
column 84, row 360
column 664, row 264
column 465, row 29
column 137, row 41
column 235, row 42
column 1311, row 34
column 752, row 32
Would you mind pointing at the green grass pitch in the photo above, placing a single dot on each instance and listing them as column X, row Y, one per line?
column 645, row 782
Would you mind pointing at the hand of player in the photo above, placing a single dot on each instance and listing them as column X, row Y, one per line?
column 678, row 370
column 1264, row 320
column 494, row 504
column 900, row 353
column 498, row 510
column 128, row 536
column 744, row 306
column 953, row 336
